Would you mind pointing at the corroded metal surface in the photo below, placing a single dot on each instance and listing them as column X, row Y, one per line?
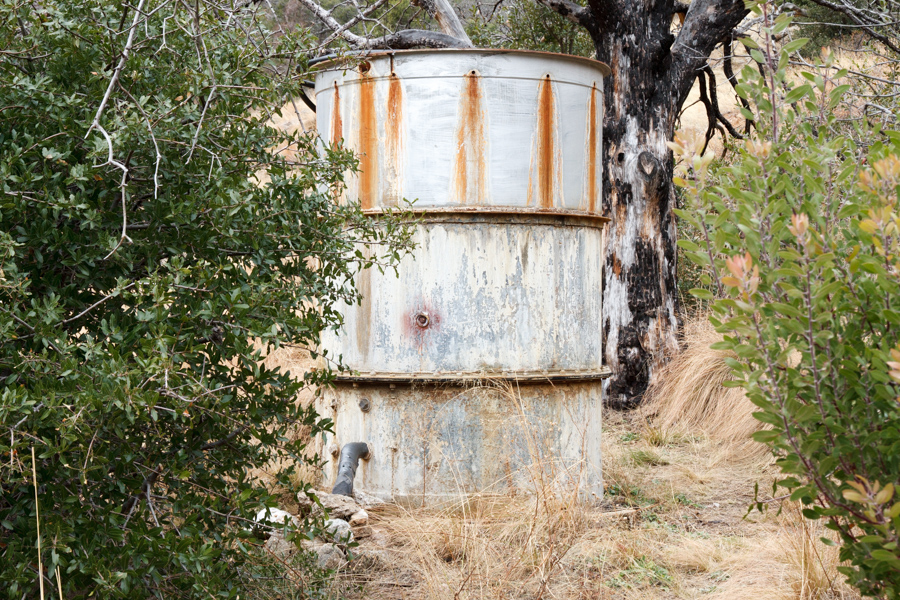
column 469, row 128
column 430, row 442
column 481, row 360
column 481, row 294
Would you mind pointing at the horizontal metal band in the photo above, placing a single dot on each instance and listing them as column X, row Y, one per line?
column 523, row 215
column 471, row 377
column 337, row 62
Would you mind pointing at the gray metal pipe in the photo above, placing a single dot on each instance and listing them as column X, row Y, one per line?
column 349, row 461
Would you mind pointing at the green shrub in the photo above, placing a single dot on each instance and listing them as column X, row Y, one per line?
column 803, row 233
column 144, row 277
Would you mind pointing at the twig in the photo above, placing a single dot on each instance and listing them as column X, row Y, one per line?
column 37, row 516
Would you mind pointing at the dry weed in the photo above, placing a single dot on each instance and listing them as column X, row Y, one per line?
column 688, row 396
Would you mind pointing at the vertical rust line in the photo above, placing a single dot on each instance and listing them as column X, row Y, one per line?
column 337, row 125
column 470, row 172
column 393, row 142
column 368, row 142
column 592, row 151
column 543, row 161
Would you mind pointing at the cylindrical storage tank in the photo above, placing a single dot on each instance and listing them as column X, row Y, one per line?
column 482, row 361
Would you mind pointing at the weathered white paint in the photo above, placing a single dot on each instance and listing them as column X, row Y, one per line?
column 431, row 444
column 502, row 152
column 430, row 92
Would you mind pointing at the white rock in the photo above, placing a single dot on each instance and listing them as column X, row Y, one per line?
column 339, row 530
column 366, row 500
column 277, row 545
column 275, row 517
column 359, row 518
column 338, row 507
column 329, row 556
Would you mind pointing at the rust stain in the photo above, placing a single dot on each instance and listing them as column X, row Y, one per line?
column 470, row 172
column 616, row 265
column 337, row 125
column 420, row 324
column 393, row 143
column 541, row 179
column 592, row 157
column 368, row 141
column 545, row 145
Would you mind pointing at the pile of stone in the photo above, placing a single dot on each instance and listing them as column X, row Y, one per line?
column 347, row 521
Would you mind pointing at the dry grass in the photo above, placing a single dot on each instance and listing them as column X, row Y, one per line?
column 670, row 527
column 672, row 523
column 687, row 396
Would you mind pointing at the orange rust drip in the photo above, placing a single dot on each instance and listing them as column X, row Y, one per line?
column 545, row 143
column 368, row 143
column 470, row 144
column 337, row 125
column 393, row 133
column 592, row 151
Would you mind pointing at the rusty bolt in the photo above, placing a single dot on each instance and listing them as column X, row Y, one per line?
column 422, row 320
column 334, row 449
column 364, row 404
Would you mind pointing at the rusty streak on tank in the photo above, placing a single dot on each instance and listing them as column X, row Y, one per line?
column 337, row 126
column 592, row 153
column 470, row 172
column 544, row 157
column 368, row 139
column 393, row 144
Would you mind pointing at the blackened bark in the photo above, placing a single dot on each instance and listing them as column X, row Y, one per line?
column 652, row 73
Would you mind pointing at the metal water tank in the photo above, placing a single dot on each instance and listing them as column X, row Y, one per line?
column 482, row 362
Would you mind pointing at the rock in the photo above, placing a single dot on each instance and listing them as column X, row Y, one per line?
column 365, row 500
column 338, row 507
column 277, row 545
column 362, row 532
column 359, row 518
column 339, row 530
column 275, row 517
column 329, row 556
column 366, row 560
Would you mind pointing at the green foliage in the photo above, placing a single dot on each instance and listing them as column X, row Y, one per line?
column 144, row 276
column 527, row 25
column 802, row 234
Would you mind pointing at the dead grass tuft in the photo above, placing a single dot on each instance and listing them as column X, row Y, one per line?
column 688, row 396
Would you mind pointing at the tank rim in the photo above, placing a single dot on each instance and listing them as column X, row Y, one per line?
column 332, row 61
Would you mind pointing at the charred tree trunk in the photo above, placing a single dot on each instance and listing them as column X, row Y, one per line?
column 652, row 72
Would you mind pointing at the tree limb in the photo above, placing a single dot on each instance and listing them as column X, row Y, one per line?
column 443, row 13
column 855, row 16
column 706, row 24
column 580, row 15
column 400, row 40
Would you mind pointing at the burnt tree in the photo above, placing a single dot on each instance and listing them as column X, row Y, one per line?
column 653, row 69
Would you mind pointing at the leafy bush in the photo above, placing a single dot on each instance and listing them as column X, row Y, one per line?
column 144, row 276
column 803, row 233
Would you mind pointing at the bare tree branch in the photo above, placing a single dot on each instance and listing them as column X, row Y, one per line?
column 443, row 13
column 407, row 38
column 580, row 15
column 860, row 18
column 706, row 24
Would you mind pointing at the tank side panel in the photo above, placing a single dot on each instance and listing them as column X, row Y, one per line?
column 433, row 443
column 481, row 297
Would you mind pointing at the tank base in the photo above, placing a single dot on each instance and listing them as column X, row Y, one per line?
column 431, row 442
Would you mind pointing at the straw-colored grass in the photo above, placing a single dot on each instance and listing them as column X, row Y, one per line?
column 670, row 528
column 687, row 396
